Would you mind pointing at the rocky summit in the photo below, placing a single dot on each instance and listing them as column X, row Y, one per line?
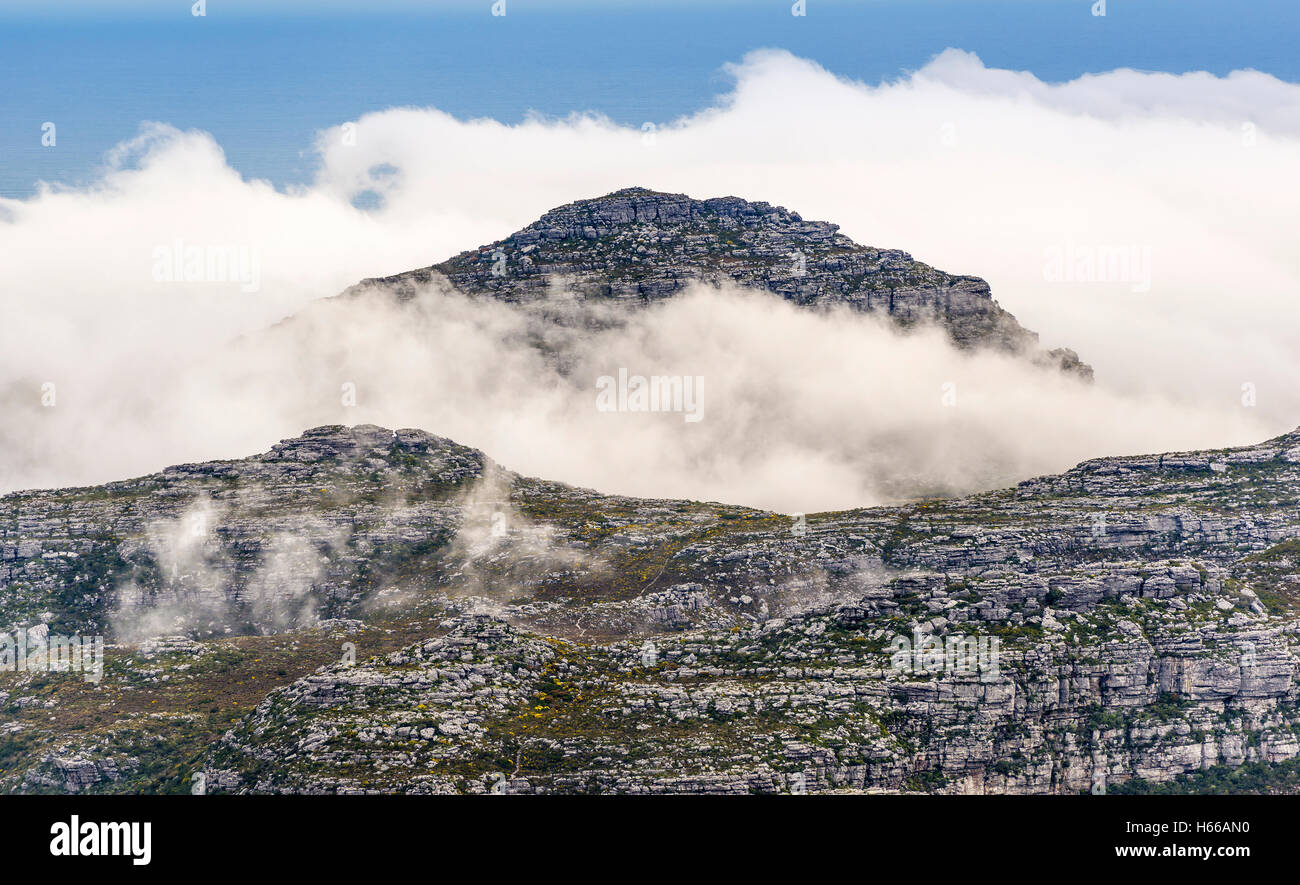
column 637, row 246
column 368, row 610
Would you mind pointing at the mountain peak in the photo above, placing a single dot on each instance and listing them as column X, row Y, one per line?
column 636, row 246
column 639, row 205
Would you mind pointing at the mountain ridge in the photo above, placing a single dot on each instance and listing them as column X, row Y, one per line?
column 1146, row 611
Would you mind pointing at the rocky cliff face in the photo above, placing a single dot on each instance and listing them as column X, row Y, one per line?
column 1132, row 620
column 636, row 246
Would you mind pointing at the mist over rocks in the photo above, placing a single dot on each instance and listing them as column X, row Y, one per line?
column 1146, row 611
column 264, row 544
column 636, row 246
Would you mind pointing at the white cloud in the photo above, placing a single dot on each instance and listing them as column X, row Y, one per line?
column 970, row 169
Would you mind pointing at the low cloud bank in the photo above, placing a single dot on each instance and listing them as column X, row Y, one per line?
column 134, row 333
column 793, row 409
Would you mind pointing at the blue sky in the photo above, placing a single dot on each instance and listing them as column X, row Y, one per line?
column 263, row 77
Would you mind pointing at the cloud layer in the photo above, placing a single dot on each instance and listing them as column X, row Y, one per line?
column 1145, row 220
